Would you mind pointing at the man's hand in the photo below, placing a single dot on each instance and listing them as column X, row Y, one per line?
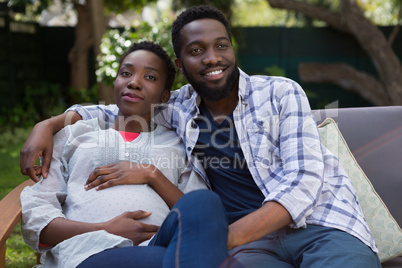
column 269, row 218
column 128, row 226
column 39, row 143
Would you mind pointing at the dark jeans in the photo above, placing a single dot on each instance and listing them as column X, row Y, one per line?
column 314, row 246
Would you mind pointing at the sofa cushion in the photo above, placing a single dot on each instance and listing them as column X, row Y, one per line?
column 386, row 232
column 374, row 136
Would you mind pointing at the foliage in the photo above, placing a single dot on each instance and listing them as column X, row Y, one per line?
column 15, row 137
column 120, row 6
column 44, row 98
column 83, row 95
column 275, row 70
column 259, row 13
column 115, row 43
column 34, row 8
column 246, row 12
column 382, row 12
column 219, row 4
column 40, row 101
column 256, row 13
column 223, row 5
column 37, row 102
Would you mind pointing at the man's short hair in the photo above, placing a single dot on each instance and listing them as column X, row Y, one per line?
column 192, row 14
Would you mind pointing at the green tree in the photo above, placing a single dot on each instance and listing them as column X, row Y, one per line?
column 350, row 18
column 225, row 6
column 116, row 42
column 259, row 13
column 91, row 25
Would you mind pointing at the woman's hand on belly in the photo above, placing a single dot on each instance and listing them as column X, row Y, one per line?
column 125, row 225
column 120, row 173
column 128, row 226
column 126, row 172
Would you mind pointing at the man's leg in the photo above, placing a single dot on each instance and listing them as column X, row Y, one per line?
column 265, row 252
column 195, row 232
column 314, row 246
column 318, row 246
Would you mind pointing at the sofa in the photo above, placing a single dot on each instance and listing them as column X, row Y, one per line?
column 373, row 136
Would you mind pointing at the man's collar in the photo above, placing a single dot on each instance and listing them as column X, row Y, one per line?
column 244, row 89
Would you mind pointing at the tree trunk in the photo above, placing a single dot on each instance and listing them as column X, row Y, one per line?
column 78, row 56
column 387, row 90
column 106, row 94
column 91, row 25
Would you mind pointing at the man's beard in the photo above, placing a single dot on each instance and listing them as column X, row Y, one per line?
column 214, row 93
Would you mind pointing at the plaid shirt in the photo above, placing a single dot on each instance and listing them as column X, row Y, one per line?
column 281, row 144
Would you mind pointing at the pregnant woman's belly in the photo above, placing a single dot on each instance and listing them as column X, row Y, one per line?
column 100, row 206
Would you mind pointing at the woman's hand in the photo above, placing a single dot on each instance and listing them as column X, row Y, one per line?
column 128, row 226
column 126, row 172
column 125, row 225
column 120, row 173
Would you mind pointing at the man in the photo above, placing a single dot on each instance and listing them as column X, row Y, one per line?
column 288, row 201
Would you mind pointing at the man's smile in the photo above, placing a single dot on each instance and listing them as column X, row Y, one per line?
column 214, row 73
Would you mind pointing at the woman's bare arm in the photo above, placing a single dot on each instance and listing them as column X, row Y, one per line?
column 125, row 225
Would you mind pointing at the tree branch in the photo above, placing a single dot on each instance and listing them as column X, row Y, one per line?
column 347, row 77
column 393, row 35
column 313, row 11
column 374, row 42
column 395, row 31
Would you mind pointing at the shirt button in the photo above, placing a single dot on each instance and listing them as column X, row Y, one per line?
column 188, row 148
column 126, row 154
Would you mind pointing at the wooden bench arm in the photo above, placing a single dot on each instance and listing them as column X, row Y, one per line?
column 10, row 215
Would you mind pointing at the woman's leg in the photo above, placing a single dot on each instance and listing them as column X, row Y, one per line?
column 195, row 232
column 144, row 257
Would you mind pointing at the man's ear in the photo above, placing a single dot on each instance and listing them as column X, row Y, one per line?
column 178, row 64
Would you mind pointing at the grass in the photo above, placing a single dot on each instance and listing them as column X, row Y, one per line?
column 18, row 254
